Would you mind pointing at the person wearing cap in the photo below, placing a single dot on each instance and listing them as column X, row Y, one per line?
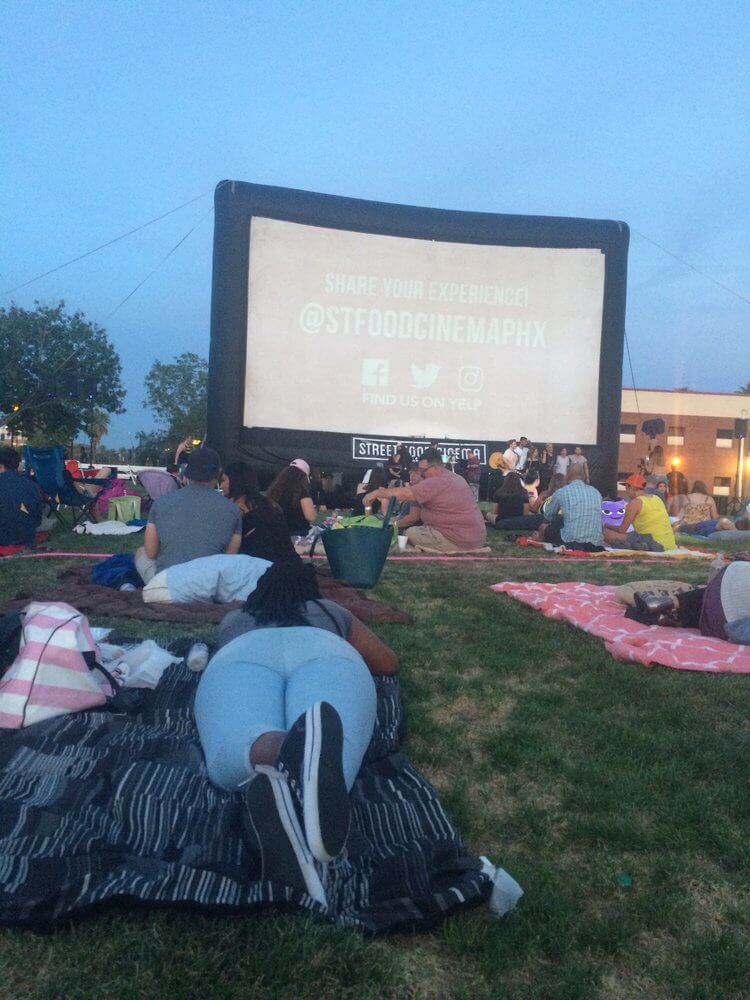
column 192, row 522
column 291, row 491
column 648, row 517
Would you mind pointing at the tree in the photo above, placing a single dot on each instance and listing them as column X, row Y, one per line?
column 178, row 395
column 97, row 426
column 745, row 389
column 157, row 448
column 56, row 369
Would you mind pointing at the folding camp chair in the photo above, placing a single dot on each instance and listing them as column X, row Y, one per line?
column 48, row 467
column 156, row 483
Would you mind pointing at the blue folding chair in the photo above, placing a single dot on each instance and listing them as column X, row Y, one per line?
column 48, row 468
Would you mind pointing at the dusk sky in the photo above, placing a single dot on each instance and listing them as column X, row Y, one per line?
column 114, row 113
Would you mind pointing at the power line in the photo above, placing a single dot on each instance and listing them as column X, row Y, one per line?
column 632, row 376
column 109, row 243
column 29, row 405
column 692, row 267
column 164, row 258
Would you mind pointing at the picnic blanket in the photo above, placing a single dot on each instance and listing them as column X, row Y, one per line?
column 597, row 610
column 97, row 808
column 93, row 600
column 682, row 552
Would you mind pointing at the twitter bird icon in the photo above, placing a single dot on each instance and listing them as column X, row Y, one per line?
column 423, row 378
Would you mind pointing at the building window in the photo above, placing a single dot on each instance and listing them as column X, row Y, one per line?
column 724, row 438
column 722, row 485
column 627, row 433
column 675, row 435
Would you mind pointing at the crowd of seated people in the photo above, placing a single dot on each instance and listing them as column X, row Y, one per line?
column 541, row 491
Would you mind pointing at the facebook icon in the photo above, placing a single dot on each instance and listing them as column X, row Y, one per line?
column 375, row 371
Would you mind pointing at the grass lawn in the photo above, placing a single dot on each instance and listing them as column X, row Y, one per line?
column 568, row 768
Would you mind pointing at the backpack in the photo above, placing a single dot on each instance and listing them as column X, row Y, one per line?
column 53, row 672
column 116, row 488
column 116, row 570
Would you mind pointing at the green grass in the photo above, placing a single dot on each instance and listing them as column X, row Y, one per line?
column 566, row 767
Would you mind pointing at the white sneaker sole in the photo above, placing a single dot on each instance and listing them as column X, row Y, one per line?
column 293, row 830
column 311, row 785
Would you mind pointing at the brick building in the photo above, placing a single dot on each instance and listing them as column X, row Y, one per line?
column 699, row 439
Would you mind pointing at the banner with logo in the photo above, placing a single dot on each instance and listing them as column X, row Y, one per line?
column 380, row 449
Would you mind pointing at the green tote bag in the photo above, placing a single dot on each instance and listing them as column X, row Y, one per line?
column 357, row 554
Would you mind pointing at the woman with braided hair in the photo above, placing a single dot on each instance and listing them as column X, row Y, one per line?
column 285, row 712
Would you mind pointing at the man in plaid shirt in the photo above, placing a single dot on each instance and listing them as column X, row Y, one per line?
column 581, row 508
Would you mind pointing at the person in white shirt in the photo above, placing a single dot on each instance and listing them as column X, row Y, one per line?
column 522, row 450
column 562, row 462
column 510, row 456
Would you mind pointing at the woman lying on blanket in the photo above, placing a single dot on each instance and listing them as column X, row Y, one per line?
column 285, row 712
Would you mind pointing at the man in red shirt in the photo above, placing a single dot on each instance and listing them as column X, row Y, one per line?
column 451, row 519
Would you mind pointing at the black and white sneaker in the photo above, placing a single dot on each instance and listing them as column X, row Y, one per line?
column 311, row 760
column 274, row 836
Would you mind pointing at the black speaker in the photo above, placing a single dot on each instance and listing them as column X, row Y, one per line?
column 740, row 427
column 653, row 427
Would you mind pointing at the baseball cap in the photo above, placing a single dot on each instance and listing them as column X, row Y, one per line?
column 202, row 465
column 636, row 480
column 301, row 464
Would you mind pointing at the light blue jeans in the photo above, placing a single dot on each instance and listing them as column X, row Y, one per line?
column 264, row 680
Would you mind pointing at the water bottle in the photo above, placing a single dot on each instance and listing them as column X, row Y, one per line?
column 197, row 658
column 717, row 565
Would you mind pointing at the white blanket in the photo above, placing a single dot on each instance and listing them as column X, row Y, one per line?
column 107, row 528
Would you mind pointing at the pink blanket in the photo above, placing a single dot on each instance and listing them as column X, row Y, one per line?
column 596, row 610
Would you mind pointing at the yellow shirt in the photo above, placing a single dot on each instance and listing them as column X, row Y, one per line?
column 652, row 519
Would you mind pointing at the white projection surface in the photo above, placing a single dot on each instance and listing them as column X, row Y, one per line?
column 361, row 333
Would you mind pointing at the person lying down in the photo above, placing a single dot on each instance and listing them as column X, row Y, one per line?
column 285, row 712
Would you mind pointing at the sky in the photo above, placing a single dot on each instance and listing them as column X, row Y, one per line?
column 114, row 113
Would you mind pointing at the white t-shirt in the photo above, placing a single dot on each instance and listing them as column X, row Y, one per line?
column 523, row 454
column 562, row 462
column 511, row 458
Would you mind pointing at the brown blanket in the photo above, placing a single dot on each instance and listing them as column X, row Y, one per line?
column 91, row 599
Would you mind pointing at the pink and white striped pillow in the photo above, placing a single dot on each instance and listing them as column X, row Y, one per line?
column 50, row 676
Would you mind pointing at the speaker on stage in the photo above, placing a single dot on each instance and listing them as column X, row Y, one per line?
column 740, row 427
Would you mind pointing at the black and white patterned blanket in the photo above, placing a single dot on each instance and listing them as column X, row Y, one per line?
column 97, row 807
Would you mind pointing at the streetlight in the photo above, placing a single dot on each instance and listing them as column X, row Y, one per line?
column 741, row 455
